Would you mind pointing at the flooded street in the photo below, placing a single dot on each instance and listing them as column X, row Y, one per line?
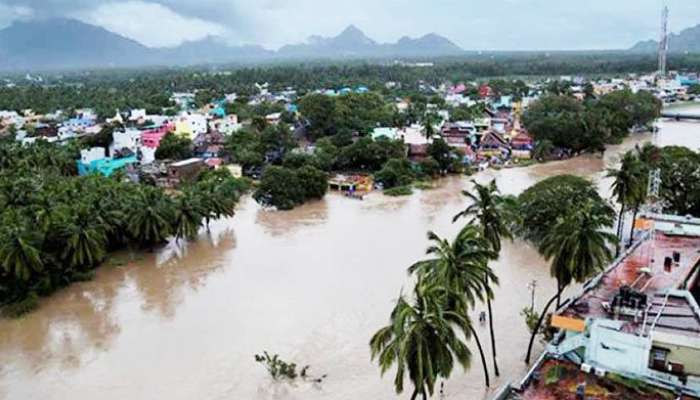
column 312, row 284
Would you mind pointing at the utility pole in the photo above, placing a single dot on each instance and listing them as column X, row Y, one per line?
column 532, row 286
column 663, row 42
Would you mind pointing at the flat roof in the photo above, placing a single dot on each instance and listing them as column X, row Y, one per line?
column 643, row 270
column 186, row 162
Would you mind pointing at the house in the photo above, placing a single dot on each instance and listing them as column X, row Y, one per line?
column 185, row 170
column 152, row 136
column 227, row 125
column 94, row 160
column 493, row 144
column 522, row 145
column 389, row 133
column 191, row 125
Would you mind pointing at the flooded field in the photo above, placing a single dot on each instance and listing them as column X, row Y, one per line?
column 312, row 284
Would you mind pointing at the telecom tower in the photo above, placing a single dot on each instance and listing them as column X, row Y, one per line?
column 663, row 42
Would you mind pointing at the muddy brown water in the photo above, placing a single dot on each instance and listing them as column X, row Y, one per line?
column 312, row 284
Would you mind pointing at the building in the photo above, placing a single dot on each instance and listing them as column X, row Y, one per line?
column 94, row 160
column 639, row 319
column 185, row 170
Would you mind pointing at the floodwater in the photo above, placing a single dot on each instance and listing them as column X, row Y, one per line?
column 312, row 284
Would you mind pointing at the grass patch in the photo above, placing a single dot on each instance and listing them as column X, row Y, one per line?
column 399, row 191
column 554, row 374
column 424, row 185
column 22, row 307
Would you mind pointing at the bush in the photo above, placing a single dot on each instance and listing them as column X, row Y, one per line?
column 429, row 168
column 396, row 172
column 286, row 188
column 399, row 191
column 22, row 307
column 313, row 181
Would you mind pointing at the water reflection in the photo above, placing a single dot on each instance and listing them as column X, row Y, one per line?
column 312, row 284
column 278, row 223
column 77, row 322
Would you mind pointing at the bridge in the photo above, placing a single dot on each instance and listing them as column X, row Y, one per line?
column 679, row 116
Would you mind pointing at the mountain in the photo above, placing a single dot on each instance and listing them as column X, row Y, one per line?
column 430, row 44
column 688, row 40
column 352, row 42
column 66, row 43
column 210, row 50
column 69, row 44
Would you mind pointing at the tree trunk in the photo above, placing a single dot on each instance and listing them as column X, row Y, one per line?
column 415, row 394
column 634, row 217
column 539, row 323
column 493, row 337
column 619, row 229
column 483, row 358
column 558, row 293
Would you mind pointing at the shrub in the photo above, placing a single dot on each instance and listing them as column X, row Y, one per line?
column 22, row 307
column 399, row 191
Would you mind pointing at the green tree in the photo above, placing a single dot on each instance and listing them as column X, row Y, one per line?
column 462, row 268
column 441, row 152
column 629, row 186
column 150, row 218
column 85, row 240
column 577, row 247
column 488, row 210
column 174, row 147
column 279, row 187
column 320, row 111
column 188, row 214
column 421, row 342
column 396, row 172
column 20, row 253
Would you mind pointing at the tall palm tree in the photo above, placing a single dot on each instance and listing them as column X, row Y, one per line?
column 421, row 341
column 488, row 210
column 578, row 248
column 462, row 268
column 625, row 186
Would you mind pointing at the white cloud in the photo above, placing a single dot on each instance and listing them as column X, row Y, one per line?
column 8, row 14
column 151, row 24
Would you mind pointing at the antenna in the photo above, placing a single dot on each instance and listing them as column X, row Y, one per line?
column 663, row 42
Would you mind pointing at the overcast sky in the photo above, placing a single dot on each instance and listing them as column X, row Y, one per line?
column 472, row 24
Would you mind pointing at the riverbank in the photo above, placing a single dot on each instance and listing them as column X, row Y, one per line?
column 312, row 284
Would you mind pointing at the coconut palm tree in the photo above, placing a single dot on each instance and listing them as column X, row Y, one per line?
column 85, row 240
column 20, row 253
column 188, row 215
column 420, row 339
column 488, row 210
column 149, row 220
column 625, row 186
column 462, row 268
column 578, row 248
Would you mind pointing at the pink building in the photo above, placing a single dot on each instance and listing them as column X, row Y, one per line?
column 152, row 137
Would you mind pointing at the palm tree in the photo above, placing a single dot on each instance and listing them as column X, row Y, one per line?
column 20, row 254
column 578, row 248
column 421, row 341
column 462, row 268
column 188, row 215
column 85, row 241
column 488, row 210
column 625, row 186
column 149, row 221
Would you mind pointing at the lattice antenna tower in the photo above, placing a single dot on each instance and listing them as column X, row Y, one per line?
column 663, row 42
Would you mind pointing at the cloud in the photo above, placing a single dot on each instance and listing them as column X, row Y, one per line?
column 473, row 24
column 151, row 24
column 10, row 13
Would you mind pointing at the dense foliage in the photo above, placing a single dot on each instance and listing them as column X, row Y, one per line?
column 56, row 228
column 566, row 122
column 552, row 200
column 286, row 188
